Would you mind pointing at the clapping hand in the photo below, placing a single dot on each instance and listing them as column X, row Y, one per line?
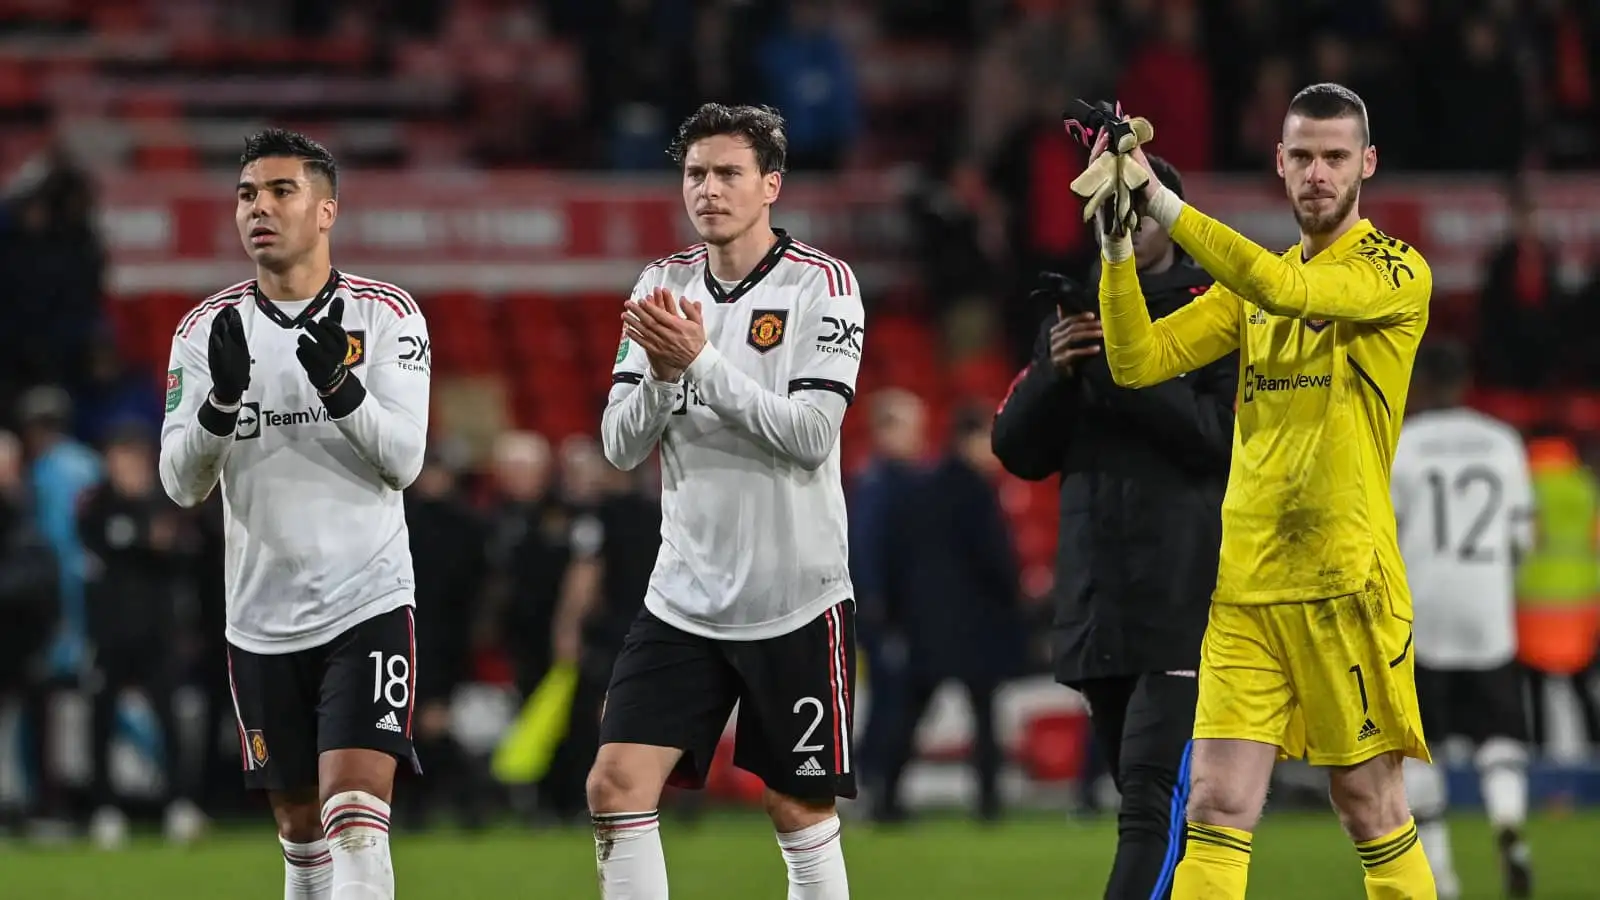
column 670, row 340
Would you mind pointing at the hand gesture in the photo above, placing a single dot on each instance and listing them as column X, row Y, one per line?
column 1073, row 338
column 229, row 357
column 323, row 348
column 670, row 341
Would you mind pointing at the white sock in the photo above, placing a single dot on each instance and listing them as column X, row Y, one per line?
column 1503, row 775
column 627, row 851
column 357, row 828
column 1426, row 791
column 815, row 860
column 307, row 870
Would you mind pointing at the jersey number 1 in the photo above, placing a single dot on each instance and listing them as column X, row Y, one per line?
column 398, row 670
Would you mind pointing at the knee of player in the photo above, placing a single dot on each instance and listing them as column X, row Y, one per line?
column 1219, row 801
column 613, row 787
column 1369, row 808
column 789, row 814
column 299, row 818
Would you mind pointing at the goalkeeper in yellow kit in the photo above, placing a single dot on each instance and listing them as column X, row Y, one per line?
column 1307, row 652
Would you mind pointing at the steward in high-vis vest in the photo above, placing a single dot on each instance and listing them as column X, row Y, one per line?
column 1558, row 584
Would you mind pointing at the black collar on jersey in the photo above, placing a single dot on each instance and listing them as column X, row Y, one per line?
column 767, row 264
column 323, row 298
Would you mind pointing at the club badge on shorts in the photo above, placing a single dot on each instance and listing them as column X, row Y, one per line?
column 258, row 748
column 355, row 349
column 766, row 328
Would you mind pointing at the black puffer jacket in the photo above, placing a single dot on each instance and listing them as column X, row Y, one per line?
column 1142, row 478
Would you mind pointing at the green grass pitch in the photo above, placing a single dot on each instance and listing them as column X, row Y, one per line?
column 1300, row 856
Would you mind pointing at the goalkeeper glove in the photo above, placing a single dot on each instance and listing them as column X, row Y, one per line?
column 1107, row 185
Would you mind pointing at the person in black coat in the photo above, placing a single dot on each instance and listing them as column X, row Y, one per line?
column 965, row 625
column 131, row 534
column 1143, row 474
column 448, row 555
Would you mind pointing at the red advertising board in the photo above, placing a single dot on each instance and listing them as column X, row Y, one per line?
column 495, row 231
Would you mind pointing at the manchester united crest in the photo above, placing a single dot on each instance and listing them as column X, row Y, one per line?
column 258, row 748
column 766, row 328
column 356, row 348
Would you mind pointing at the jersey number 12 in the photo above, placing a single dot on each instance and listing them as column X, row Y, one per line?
column 1448, row 498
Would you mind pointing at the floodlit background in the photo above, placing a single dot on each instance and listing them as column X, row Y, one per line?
column 503, row 161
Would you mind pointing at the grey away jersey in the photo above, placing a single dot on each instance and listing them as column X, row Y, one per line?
column 753, row 541
column 316, row 538
column 1463, row 499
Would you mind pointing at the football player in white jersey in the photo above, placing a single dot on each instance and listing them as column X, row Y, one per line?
column 738, row 360
column 1463, row 498
column 304, row 393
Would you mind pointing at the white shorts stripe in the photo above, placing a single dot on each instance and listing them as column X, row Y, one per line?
column 238, row 718
column 841, row 688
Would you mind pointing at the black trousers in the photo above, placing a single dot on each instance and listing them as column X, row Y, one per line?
column 909, row 709
column 136, row 667
column 1143, row 725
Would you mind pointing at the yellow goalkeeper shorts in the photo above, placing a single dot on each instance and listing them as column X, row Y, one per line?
column 1332, row 681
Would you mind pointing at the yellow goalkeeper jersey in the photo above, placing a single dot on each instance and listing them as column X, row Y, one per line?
column 1326, row 348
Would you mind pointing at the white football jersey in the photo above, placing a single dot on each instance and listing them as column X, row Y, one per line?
column 1463, row 499
column 753, row 540
column 314, row 523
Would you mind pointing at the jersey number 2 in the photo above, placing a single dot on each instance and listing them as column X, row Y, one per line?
column 1469, row 550
column 803, row 745
column 398, row 671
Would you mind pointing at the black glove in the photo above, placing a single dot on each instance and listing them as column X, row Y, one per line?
column 229, row 357
column 1061, row 292
column 323, row 349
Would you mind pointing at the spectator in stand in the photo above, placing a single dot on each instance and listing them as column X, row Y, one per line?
column 29, row 601
column 113, row 398
column 60, row 470
column 1259, row 126
column 1519, row 317
column 1168, row 82
column 808, row 74
column 1486, row 85
column 54, row 267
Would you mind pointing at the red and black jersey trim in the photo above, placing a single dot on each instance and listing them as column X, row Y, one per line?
column 227, row 297
column 318, row 303
column 385, row 294
column 688, row 257
column 763, row 268
column 840, row 281
column 824, row 384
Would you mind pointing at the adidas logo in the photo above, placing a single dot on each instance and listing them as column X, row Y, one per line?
column 811, row 767
column 1259, row 317
column 389, row 722
column 1368, row 729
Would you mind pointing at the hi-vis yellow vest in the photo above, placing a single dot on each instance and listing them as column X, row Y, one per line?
column 1558, row 583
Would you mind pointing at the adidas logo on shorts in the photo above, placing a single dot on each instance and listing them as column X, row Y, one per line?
column 811, row 767
column 389, row 722
column 1368, row 729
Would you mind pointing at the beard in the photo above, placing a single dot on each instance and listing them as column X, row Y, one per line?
column 1322, row 223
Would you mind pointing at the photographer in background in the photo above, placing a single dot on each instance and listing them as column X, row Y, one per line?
column 1142, row 478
